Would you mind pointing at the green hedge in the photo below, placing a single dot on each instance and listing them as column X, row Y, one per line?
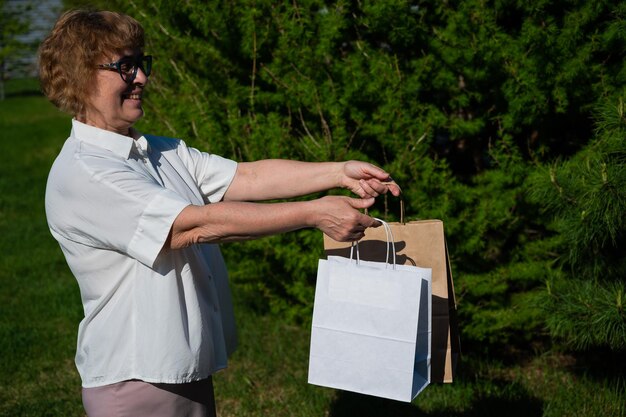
column 461, row 101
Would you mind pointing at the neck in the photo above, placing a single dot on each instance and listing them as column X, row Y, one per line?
column 101, row 124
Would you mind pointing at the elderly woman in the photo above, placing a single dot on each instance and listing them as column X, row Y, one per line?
column 138, row 218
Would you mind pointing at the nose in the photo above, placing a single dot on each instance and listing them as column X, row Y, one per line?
column 141, row 77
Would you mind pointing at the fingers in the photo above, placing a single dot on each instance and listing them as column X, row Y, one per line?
column 354, row 236
column 361, row 221
column 342, row 220
column 377, row 173
column 361, row 203
column 357, row 232
column 374, row 188
column 371, row 188
column 394, row 188
column 367, row 180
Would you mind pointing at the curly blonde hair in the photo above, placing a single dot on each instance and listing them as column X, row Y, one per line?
column 79, row 40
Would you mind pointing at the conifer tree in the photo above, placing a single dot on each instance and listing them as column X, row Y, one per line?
column 586, row 195
column 459, row 100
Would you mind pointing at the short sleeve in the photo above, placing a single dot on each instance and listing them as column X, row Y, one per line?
column 106, row 204
column 212, row 173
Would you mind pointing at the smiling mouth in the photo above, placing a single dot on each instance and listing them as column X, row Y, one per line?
column 132, row 96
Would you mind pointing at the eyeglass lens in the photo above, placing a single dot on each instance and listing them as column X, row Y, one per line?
column 128, row 67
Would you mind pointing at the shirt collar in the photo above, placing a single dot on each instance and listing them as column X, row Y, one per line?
column 141, row 145
column 118, row 144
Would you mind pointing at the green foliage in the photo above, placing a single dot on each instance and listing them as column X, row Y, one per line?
column 587, row 314
column 12, row 24
column 586, row 195
column 460, row 102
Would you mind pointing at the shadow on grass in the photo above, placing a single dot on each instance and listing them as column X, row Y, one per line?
column 349, row 404
column 600, row 364
column 22, row 87
column 23, row 93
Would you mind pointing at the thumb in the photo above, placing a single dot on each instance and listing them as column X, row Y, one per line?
column 361, row 203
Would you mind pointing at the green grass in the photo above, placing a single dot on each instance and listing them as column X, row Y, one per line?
column 40, row 310
column 39, row 300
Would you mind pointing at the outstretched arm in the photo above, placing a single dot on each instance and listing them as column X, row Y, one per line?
column 337, row 216
column 277, row 178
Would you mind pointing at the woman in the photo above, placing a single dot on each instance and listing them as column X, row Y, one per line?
column 138, row 216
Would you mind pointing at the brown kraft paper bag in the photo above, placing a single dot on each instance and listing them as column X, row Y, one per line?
column 419, row 243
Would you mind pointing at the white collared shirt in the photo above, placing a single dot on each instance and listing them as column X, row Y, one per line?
column 151, row 313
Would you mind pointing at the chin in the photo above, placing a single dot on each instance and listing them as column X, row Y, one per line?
column 136, row 115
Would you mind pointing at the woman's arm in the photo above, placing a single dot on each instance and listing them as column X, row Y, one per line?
column 337, row 216
column 277, row 178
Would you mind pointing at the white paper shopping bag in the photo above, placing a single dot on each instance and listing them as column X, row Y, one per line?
column 371, row 327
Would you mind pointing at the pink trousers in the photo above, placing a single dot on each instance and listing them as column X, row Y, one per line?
column 142, row 399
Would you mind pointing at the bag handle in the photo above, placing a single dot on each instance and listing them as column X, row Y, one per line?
column 401, row 209
column 389, row 244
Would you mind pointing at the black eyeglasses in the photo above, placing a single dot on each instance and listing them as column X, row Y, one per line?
column 128, row 66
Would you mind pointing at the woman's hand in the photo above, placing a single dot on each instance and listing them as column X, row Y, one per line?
column 367, row 180
column 339, row 217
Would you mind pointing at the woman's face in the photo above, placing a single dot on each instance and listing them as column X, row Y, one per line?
column 115, row 104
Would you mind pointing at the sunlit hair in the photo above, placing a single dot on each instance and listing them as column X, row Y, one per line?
column 79, row 41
